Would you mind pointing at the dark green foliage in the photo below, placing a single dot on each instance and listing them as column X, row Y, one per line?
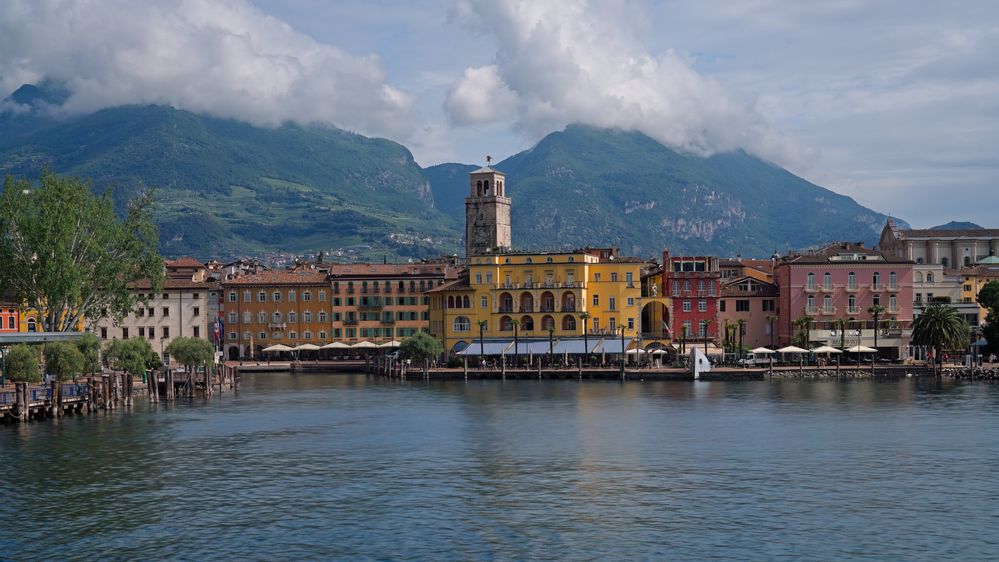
column 67, row 254
column 420, row 347
column 941, row 328
column 90, row 347
column 133, row 355
column 22, row 364
column 63, row 360
column 191, row 352
column 988, row 297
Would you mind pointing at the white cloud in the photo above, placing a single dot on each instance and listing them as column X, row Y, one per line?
column 224, row 58
column 573, row 62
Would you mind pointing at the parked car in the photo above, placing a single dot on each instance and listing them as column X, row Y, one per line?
column 747, row 362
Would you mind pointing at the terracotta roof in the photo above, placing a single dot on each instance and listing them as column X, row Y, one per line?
column 169, row 283
column 460, row 284
column 391, row 270
column 184, row 262
column 281, row 277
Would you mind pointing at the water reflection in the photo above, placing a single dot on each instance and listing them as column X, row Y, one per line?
column 358, row 467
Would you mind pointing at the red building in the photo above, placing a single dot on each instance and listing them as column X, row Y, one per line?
column 9, row 318
column 693, row 284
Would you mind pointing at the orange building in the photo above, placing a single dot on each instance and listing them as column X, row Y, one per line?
column 10, row 317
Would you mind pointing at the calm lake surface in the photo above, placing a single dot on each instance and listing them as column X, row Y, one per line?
column 355, row 467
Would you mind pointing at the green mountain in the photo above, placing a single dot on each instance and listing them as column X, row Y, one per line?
column 226, row 188
column 957, row 225
column 597, row 186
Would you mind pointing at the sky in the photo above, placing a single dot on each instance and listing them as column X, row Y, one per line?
column 892, row 102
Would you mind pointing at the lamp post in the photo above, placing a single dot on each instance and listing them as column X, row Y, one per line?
column 482, row 345
column 551, row 346
column 516, row 342
column 623, row 354
column 586, row 343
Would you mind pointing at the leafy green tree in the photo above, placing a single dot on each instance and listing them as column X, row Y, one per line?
column 133, row 355
column 940, row 327
column 63, row 360
column 191, row 352
column 22, row 364
column 988, row 297
column 90, row 346
column 420, row 347
column 67, row 254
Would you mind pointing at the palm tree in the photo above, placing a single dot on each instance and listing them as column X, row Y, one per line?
column 772, row 320
column 876, row 310
column 840, row 324
column 586, row 342
column 803, row 325
column 482, row 342
column 939, row 327
column 707, row 324
column 516, row 342
column 683, row 339
column 742, row 330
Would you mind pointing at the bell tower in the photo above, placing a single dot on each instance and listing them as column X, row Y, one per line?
column 487, row 212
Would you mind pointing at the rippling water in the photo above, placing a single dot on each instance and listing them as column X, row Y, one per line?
column 352, row 467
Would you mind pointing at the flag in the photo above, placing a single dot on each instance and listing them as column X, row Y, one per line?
column 668, row 331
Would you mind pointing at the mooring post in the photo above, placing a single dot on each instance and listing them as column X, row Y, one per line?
column 53, row 398
column 464, row 366
column 579, row 363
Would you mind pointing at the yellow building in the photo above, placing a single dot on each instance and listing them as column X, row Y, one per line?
column 539, row 295
column 974, row 278
column 31, row 322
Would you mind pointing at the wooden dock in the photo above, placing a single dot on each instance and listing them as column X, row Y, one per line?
column 22, row 402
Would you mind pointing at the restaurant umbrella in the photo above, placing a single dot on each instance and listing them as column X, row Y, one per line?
column 794, row 349
column 827, row 349
column 858, row 349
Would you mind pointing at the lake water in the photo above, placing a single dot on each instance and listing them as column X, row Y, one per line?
column 355, row 467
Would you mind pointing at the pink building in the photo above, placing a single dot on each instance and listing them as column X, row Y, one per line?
column 842, row 282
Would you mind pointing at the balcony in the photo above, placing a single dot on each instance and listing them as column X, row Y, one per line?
column 506, row 309
column 810, row 289
column 828, row 310
column 570, row 308
column 811, row 310
column 277, row 326
column 851, row 287
column 852, row 310
column 877, row 287
column 550, row 308
column 350, row 320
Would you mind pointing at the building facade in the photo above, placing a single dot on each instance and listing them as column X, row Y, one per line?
column 843, row 282
column 10, row 318
column 949, row 248
column 747, row 308
column 539, row 296
column 693, row 285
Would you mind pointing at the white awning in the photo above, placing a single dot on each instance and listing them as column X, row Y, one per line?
column 489, row 348
column 791, row 349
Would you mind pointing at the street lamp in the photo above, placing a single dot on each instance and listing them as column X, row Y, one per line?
column 623, row 354
column 551, row 345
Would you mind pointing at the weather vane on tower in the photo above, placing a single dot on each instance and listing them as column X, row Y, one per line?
column 489, row 160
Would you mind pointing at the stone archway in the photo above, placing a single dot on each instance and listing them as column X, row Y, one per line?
column 655, row 318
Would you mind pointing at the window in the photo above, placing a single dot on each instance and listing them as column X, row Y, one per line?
column 232, row 317
column 307, row 316
column 232, row 336
column 165, row 296
column 247, row 297
column 827, row 280
column 307, row 335
column 262, row 335
column 232, row 296
column 769, row 305
column 166, row 311
column 721, row 306
column 702, row 306
column 810, row 283
column 151, row 312
column 277, row 317
column 810, row 306
column 702, row 328
column 478, row 278
column 261, row 317
column 945, row 262
column 892, row 303
column 246, row 316
column 307, row 296
column 462, row 324
column 629, row 277
column 124, row 331
column 612, row 303
column 876, row 280
column 197, row 331
column 851, row 304
column 742, row 305
column 631, row 323
column 612, row 324
column 291, row 295
column 596, row 300
column 292, row 335
column 700, row 287
column 967, row 287
column 877, row 300
column 929, row 277
column 676, row 288
column 262, row 296
column 322, row 334
column 292, row 317
column 827, row 304
column 596, row 277
column 711, row 288
column 322, row 316
column 686, row 327
column 687, row 307
column 152, row 332
column 166, row 331
column 892, row 280
column 196, row 311
column 484, row 302
column 104, row 331
column 614, row 276
column 851, row 281
column 631, row 301
column 277, row 296
column 322, row 295
column 489, row 278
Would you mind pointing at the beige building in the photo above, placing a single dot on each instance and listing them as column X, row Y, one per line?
column 183, row 307
column 949, row 248
column 487, row 213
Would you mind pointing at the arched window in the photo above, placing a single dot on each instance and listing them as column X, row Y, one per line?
column 462, row 324
column 569, row 323
column 527, row 323
column 876, row 279
column 450, row 301
column 529, row 260
column 852, row 304
column 827, row 280
column 811, row 304
column 547, row 302
column 547, row 323
column 929, row 277
column 465, row 302
column 810, row 283
column 32, row 325
column 506, row 302
column 827, row 304
column 851, row 282
column 506, row 324
column 892, row 280
column 549, row 260
column 527, row 302
column 917, row 277
column 568, row 301
column 478, row 187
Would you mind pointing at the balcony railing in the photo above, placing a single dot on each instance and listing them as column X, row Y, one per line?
column 549, row 308
column 828, row 310
column 811, row 310
column 851, row 287
column 877, row 287
column 570, row 308
column 507, row 309
column 852, row 310
column 810, row 288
